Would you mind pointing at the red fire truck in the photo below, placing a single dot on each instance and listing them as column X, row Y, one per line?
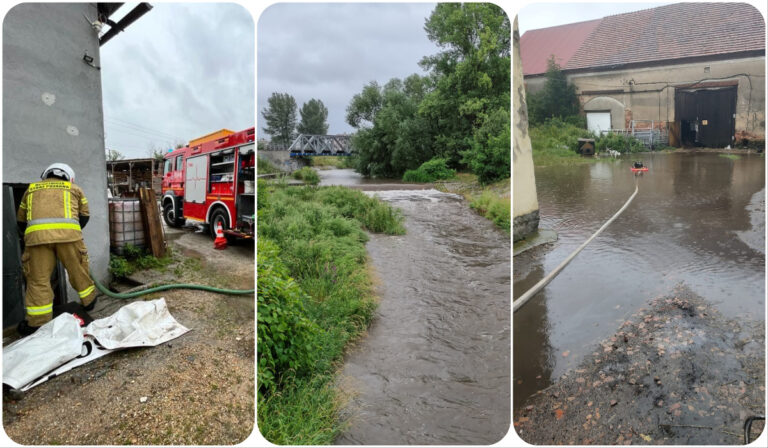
column 211, row 181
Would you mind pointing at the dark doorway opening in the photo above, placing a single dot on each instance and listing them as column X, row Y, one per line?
column 14, row 285
column 706, row 116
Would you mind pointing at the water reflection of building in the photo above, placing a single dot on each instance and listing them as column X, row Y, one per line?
column 533, row 361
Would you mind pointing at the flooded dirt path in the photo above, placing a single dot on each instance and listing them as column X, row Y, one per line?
column 698, row 220
column 434, row 366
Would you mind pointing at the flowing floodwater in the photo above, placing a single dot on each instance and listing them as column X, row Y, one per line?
column 699, row 219
column 434, row 366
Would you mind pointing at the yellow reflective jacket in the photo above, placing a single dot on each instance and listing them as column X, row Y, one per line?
column 52, row 208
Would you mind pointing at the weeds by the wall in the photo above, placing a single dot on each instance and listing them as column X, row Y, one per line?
column 556, row 142
column 136, row 259
column 314, row 297
column 621, row 143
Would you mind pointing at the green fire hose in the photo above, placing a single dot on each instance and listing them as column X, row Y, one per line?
column 131, row 295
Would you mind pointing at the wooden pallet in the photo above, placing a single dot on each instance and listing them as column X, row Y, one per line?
column 153, row 227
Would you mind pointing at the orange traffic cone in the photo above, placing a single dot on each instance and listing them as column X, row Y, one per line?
column 220, row 242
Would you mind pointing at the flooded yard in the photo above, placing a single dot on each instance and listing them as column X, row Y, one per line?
column 698, row 221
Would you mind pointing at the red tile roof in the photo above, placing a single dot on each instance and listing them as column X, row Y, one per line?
column 536, row 46
column 665, row 33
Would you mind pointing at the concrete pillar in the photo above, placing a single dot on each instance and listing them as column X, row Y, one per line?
column 524, row 202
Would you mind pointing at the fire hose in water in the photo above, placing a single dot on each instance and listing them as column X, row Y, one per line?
column 543, row 282
column 131, row 295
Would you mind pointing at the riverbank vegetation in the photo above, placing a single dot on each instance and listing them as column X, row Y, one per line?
column 264, row 166
column 492, row 201
column 314, row 297
column 308, row 175
column 459, row 112
column 331, row 162
column 430, row 171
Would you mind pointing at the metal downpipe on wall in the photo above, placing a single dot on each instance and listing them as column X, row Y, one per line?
column 543, row 282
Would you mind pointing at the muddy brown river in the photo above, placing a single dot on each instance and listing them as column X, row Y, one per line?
column 698, row 220
column 434, row 366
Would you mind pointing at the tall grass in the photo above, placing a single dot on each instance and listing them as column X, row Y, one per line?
column 494, row 207
column 264, row 166
column 314, row 297
column 308, row 175
column 556, row 142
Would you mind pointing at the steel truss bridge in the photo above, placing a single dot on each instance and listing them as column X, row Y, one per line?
column 316, row 145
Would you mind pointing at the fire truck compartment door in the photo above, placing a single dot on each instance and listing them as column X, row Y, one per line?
column 195, row 181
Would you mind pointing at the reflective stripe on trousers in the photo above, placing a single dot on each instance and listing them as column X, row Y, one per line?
column 86, row 291
column 40, row 310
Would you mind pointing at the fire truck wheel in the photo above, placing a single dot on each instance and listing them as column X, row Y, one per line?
column 218, row 216
column 169, row 215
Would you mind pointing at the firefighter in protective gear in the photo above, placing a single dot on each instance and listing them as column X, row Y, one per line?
column 51, row 216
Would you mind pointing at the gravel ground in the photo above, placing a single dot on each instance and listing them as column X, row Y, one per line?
column 199, row 388
column 676, row 373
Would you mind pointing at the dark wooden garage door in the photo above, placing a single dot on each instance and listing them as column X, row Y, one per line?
column 706, row 116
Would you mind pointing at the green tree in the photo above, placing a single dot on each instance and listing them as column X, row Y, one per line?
column 392, row 137
column 280, row 114
column 364, row 106
column 313, row 118
column 557, row 99
column 113, row 155
column 472, row 76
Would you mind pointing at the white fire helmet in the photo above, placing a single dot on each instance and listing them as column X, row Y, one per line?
column 61, row 170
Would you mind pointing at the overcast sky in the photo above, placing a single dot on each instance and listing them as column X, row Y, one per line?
column 181, row 71
column 542, row 15
column 330, row 51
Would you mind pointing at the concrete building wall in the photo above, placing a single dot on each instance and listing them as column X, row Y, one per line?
column 525, row 203
column 52, row 107
column 283, row 160
column 649, row 93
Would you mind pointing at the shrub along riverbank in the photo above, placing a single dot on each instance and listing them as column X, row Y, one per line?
column 314, row 297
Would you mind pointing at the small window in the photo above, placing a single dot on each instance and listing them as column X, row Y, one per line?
column 167, row 168
column 179, row 163
column 706, row 69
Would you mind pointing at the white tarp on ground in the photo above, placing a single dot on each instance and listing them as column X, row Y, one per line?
column 138, row 324
column 55, row 343
column 61, row 344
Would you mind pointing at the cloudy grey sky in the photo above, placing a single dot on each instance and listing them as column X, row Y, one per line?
column 330, row 51
column 542, row 15
column 181, row 71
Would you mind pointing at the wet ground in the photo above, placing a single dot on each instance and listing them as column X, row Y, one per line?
column 698, row 219
column 434, row 366
column 676, row 373
column 199, row 388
